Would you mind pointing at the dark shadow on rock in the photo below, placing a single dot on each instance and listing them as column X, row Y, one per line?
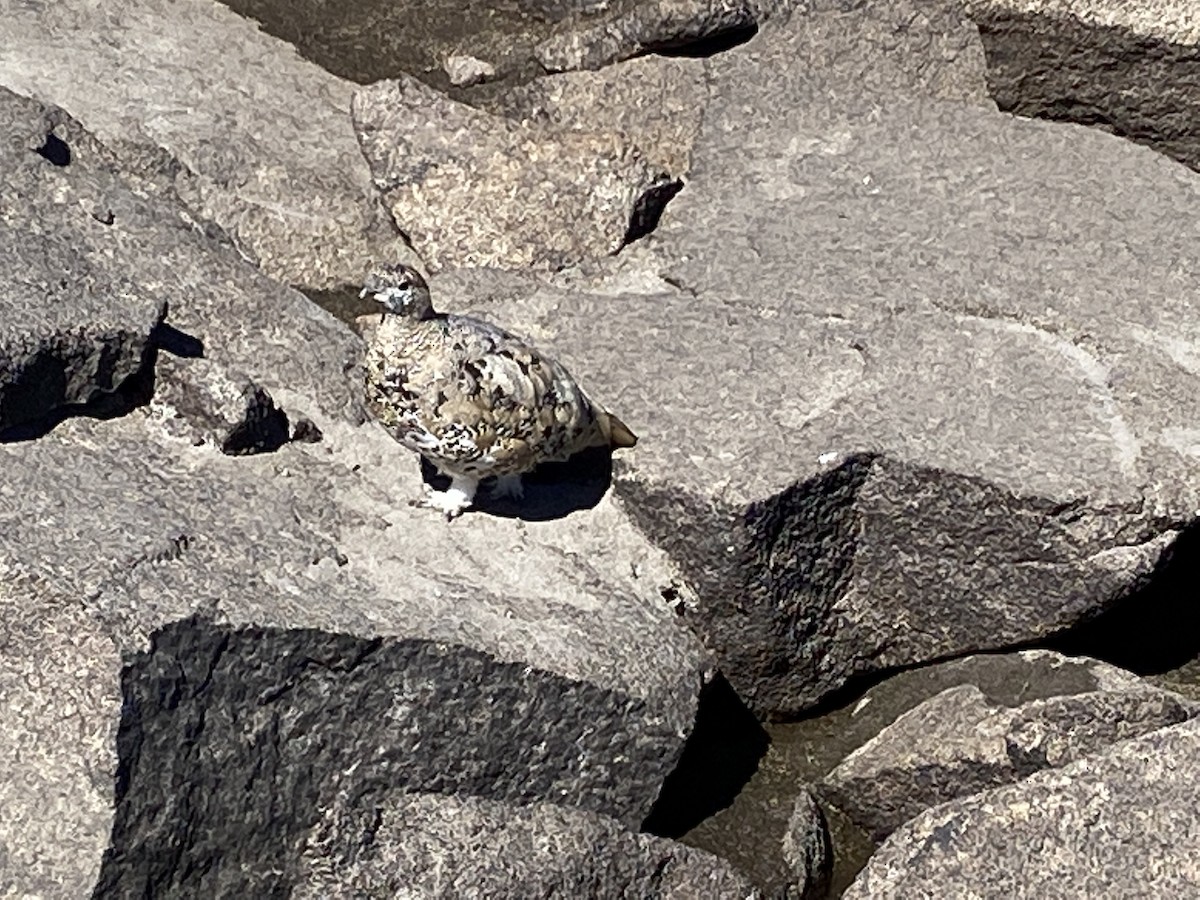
column 233, row 742
column 176, row 342
column 49, row 375
column 649, row 209
column 720, row 757
column 1060, row 68
column 552, row 490
column 55, row 150
column 1157, row 627
column 343, row 303
column 265, row 429
column 733, row 34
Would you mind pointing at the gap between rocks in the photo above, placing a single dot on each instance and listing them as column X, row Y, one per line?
column 732, row 34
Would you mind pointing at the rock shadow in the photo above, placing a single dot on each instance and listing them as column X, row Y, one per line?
column 720, row 757
column 649, row 209
column 1156, row 628
column 233, row 743
column 177, row 343
column 1060, row 68
column 39, row 411
column 737, row 31
column 552, row 490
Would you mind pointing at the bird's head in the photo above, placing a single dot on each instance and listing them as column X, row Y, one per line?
column 400, row 289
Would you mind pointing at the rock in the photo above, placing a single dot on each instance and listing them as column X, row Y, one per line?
column 1117, row 824
column 59, row 687
column 502, row 198
column 369, row 42
column 656, row 26
column 655, row 101
column 961, row 742
column 341, row 629
column 464, row 70
column 150, row 253
column 77, row 342
column 283, row 616
column 1129, row 67
column 431, row 845
column 908, row 422
column 806, row 850
column 257, row 139
column 208, row 405
column 335, row 717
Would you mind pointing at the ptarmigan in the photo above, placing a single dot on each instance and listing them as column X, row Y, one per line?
column 471, row 398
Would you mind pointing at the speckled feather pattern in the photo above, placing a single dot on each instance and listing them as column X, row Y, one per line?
column 474, row 399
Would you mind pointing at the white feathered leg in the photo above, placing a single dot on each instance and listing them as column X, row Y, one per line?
column 508, row 486
column 456, row 498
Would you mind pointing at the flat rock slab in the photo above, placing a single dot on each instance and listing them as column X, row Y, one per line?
column 296, row 594
column 655, row 102
column 505, row 197
column 258, row 140
column 1118, row 824
column 961, row 742
column 871, row 558
column 427, row 845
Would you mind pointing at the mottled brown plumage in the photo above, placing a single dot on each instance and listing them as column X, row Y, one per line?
column 471, row 398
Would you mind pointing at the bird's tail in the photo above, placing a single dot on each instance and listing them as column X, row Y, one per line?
column 617, row 432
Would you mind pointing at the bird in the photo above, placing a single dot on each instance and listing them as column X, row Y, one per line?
column 474, row 400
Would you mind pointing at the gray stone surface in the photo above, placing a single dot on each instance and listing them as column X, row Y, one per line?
column 938, row 389
column 656, row 102
column 504, row 198
column 967, row 314
column 286, row 615
column 60, row 699
column 260, row 140
column 428, row 845
column 464, row 70
column 1118, row 824
column 803, row 753
column 655, row 25
column 76, row 342
column 373, row 40
column 806, row 850
column 961, row 742
column 117, row 234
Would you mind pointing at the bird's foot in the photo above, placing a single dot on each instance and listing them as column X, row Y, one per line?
column 452, row 501
column 508, row 486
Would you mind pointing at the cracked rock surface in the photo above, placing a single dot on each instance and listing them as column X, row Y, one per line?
column 503, row 199
column 962, row 741
column 435, row 845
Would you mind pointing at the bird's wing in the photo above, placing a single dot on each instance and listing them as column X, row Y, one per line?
column 521, row 406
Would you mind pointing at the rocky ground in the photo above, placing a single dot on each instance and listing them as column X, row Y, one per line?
column 896, row 597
